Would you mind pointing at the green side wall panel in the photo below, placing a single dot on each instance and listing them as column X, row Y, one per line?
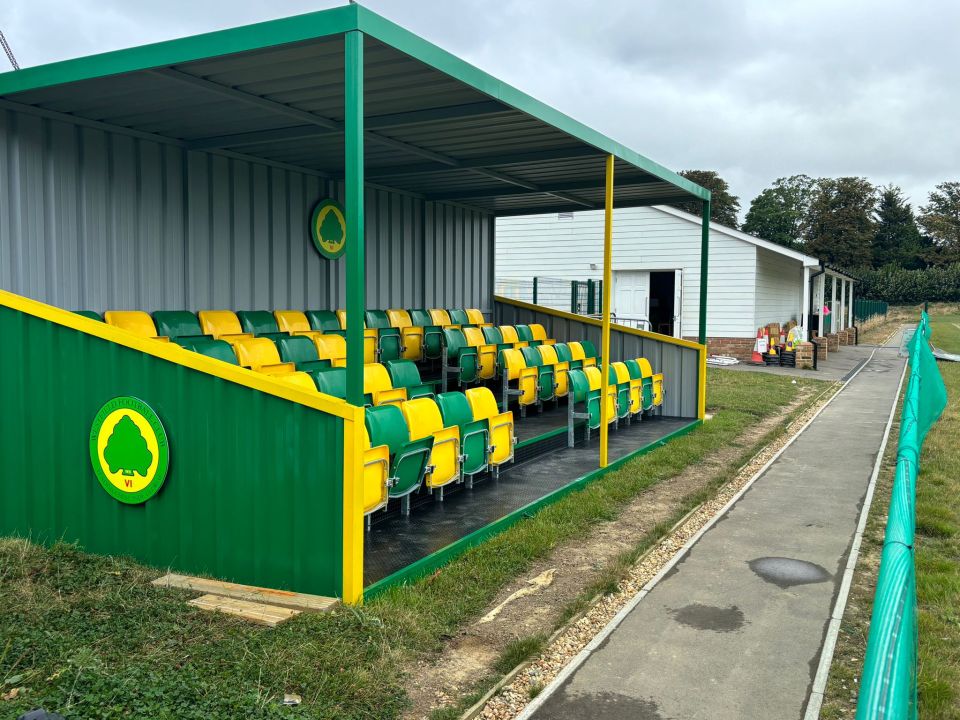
column 254, row 489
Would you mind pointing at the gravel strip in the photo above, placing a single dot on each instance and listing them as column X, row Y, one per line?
column 514, row 696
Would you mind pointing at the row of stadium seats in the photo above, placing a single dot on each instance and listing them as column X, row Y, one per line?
column 633, row 388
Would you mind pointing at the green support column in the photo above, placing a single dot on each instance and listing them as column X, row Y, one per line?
column 353, row 181
column 704, row 267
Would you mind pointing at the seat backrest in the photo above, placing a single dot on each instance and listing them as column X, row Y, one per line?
column 492, row 335
column 474, row 336
column 482, row 403
column 342, row 318
column 217, row 349
column 219, row 322
column 376, row 319
column 509, row 334
column 576, row 350
column 297, row 349
column 422, row 416
column 579, row 385
column 387, row 426
column 474, row 316
column 588, row 349
column 403, row 373
column 454, row 340
column 89, row 314
column 134, row 321
column 332, row 381
column 257, row 321
column 177, row 323
column 421, row 318
column 548, row 354
column 645, row 368
column 399, row 318
column 256, row 352
column 301, row 380
column 531, row 356
column 458, row 317
column 291, row 321
column 593, row 377
column 323, row 320
column 633, row 367
column 524, row 333
column 454, row 408
column 539, row 332
column 619, row 373
column 375, row 378
column 439, row 316
column 331, row 347
column 563, row 352
column 511, row 358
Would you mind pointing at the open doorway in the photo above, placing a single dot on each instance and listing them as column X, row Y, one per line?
column 663, row 301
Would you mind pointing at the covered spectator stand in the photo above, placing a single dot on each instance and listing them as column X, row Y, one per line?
column 188, row 175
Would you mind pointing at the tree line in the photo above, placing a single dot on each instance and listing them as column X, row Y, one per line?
column 852, row 224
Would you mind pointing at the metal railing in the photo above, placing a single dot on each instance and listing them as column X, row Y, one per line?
column 888, row 688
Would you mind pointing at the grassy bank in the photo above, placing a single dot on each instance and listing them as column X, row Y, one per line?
column 88, row 636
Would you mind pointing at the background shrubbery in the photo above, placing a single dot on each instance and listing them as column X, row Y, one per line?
column 939, row 283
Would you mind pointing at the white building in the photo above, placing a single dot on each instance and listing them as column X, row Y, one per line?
column 656, row 272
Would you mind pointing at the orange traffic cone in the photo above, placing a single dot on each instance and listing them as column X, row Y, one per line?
column 756, row 356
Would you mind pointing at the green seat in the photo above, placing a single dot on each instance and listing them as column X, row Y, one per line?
column 589, row 350
column 623, row 393
column 408, row 459
column 389, row 344
column 331, row 381
column 325, row 321
column 545, row 382
column 217, row 349
column 178, row 324
column 260, row 323
column 646, row 390
column 493, row 336
column 526, row 335
column 89, row 314
column 581, row 394
column 459, row 317
column 474, row 434
column 563, row 353
column 301, row 351
column 459, row 357
column 404, row 373
column 432, row 334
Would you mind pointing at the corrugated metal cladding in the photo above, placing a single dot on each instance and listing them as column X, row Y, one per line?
column 96, row 220
column 680, row 365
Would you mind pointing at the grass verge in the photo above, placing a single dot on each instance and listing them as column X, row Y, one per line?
column 88, row 636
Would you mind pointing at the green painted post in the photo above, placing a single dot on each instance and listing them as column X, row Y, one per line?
column 534, row 289
column 353, row 181
column 591, row 301
column 704, row 267
column 573, row 297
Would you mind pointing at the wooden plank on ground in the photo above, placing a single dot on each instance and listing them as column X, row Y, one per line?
column 269, row 615
column 251, row 593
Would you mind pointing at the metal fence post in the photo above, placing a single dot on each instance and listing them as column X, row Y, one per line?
column 534, row 289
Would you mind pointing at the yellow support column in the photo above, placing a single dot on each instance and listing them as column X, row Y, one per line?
column 605, row 328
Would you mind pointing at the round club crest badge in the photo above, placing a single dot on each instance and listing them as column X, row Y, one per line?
column 328, row 228
column 129, row 450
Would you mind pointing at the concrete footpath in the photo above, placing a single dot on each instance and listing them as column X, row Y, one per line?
column 735, row 629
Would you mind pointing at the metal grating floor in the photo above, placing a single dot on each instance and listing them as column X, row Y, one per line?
column 395, row 542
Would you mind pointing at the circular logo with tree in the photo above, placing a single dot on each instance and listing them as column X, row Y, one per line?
column 328, row 228
column 129, row 450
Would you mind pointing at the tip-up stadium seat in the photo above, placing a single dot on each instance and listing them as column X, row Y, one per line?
column 525, row 334
column 546, row 383
column 475, row 317
column 474, row 434
column 589, row 351
column 511, row 337
column 408, row 458
column 432, row 334
column 561, row 368
column 260, row 354
column 376, row 476
column 458, row 358
column 646, row 384
column 89, row 314
column 370, row 338
column 325, row 321
column 635, row 382
column 411, row 336
column 302, row 352
column 424, row 420
column 332, row 382
column 440, row 317
column 389, row 341
column 377, row 386
column 619, row 378
column 579, row 356
column 500, row 425
column 458, row 317
column 222, row 325
column 517, row 380
column 584, row 402
column 134, row 321
column 260, row 323
column 332, row 348
column 301, row 380
column 486, row 352
column 294, row 322
column 177, row 324
column 217, row 349
column 656, row 381
column 539, row 334
column 405, row 374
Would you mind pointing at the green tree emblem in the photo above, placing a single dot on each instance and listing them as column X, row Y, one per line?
column 331, row 231
column 127, row 450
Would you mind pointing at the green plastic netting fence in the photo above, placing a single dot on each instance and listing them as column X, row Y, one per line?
column 889, row 685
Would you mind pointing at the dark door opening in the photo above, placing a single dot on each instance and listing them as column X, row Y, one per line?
column 662, row 293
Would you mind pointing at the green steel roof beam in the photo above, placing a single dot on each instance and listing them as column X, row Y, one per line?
column 573, row 153
column 549, row 189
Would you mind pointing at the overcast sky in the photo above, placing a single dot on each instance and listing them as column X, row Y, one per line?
column 756, row 89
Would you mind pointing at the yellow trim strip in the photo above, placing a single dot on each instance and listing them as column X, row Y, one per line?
column 352, row 571
column 172, row 352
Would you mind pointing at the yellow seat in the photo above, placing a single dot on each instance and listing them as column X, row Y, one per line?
column 486, row 353
column 134, row 321
column 577, row 353
column 636, row 386
column 332, row 348
column 222, row 325
column 376, row 384
column 411, row 337
column 540, row 334
column 476, row 317
column 509, row 334
column 295, row 323
column 593, row 377
column 646, row 370
column 561, row 369
column 370, row 337
column 442, row 318
column 376, row 473
column 423, row 420
column 261, row 354
column 299, row 379
column 514, row 368
column 502, row 441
